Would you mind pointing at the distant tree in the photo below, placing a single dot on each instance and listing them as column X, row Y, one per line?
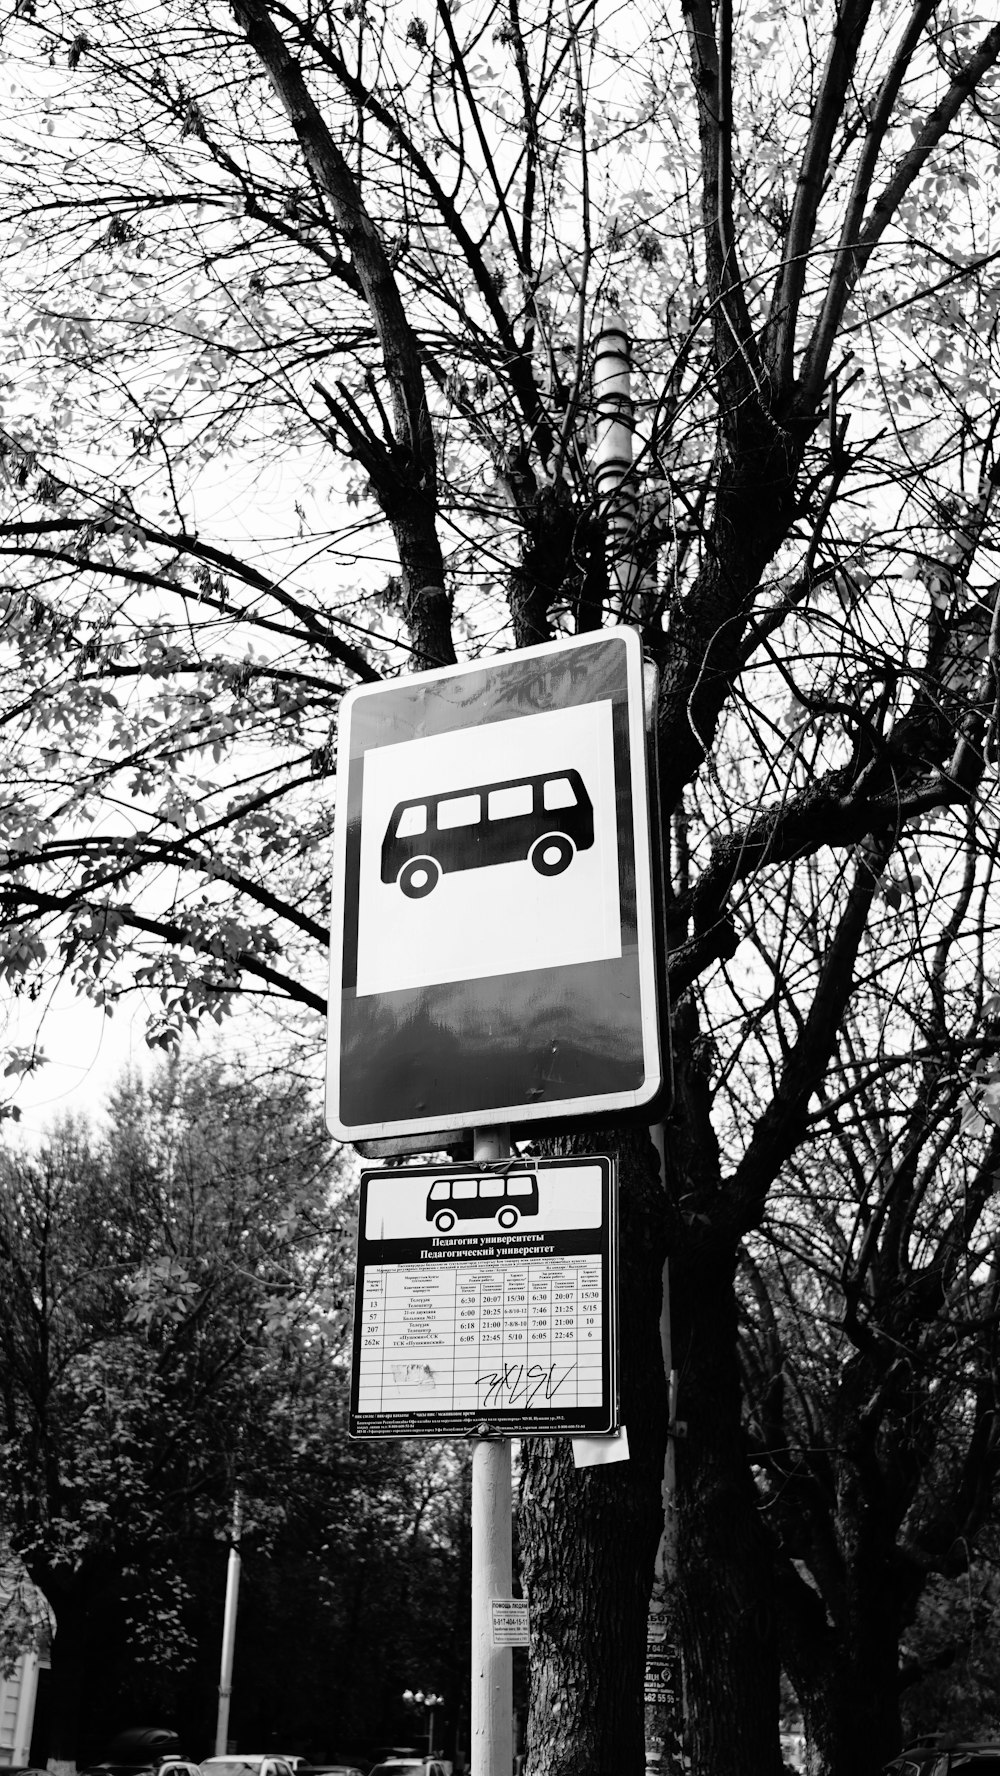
column 950, row 1668
column 361, row 1594
column 167, row 1294
column 871, row 1333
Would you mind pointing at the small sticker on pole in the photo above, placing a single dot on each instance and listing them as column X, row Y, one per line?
column 509, row 1621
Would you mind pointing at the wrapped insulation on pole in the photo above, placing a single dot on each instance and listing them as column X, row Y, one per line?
column 613, row 478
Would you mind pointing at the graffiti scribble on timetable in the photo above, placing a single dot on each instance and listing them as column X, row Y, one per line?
column 521, row 1383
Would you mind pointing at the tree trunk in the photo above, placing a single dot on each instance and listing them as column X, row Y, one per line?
column 589, row 1536
column 72, row 1646
column 843, row 1659
column 725, row 1565
column 851, row 1721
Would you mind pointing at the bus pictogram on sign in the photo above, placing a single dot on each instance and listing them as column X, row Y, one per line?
column 543, row 820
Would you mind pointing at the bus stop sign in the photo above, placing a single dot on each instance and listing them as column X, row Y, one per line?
column 492, row 950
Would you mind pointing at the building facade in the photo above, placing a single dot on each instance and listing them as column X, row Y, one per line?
column 25, row 1635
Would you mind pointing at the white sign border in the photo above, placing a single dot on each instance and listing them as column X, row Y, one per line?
column 556, row 1110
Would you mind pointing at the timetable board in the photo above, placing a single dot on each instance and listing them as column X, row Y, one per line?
column 486, row 1296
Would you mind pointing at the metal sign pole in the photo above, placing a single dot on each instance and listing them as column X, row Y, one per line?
column 492, row 1693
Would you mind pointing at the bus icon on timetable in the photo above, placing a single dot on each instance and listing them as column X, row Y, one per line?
column 543, row 820
column 500, row 1196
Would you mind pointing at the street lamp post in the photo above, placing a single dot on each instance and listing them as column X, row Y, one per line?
column 430, row 1700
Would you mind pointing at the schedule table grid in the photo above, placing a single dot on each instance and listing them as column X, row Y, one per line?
column 476, row 1335
column 486, row 1300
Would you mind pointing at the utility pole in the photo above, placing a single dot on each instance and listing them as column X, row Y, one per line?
column 614, row 480
column 229, row 1631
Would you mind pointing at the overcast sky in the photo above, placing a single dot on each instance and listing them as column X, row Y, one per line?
column 86, row 1051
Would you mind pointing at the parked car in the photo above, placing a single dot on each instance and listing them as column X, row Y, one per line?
column 409, row 1767
column 136, row 1745
column 144, row 1751
column 246, row 1763
column 939, row 1758
column 154, row 1767
column 330, row 1770
column 344, row 1767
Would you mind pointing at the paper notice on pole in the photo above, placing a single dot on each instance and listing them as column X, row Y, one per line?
column 509, row 1621
column 592, row 1452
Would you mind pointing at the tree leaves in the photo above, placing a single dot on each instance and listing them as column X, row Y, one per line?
column 159, row 1301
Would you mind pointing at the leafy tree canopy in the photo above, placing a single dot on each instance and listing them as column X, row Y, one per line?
column 299, row 389
column 173, row 1295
